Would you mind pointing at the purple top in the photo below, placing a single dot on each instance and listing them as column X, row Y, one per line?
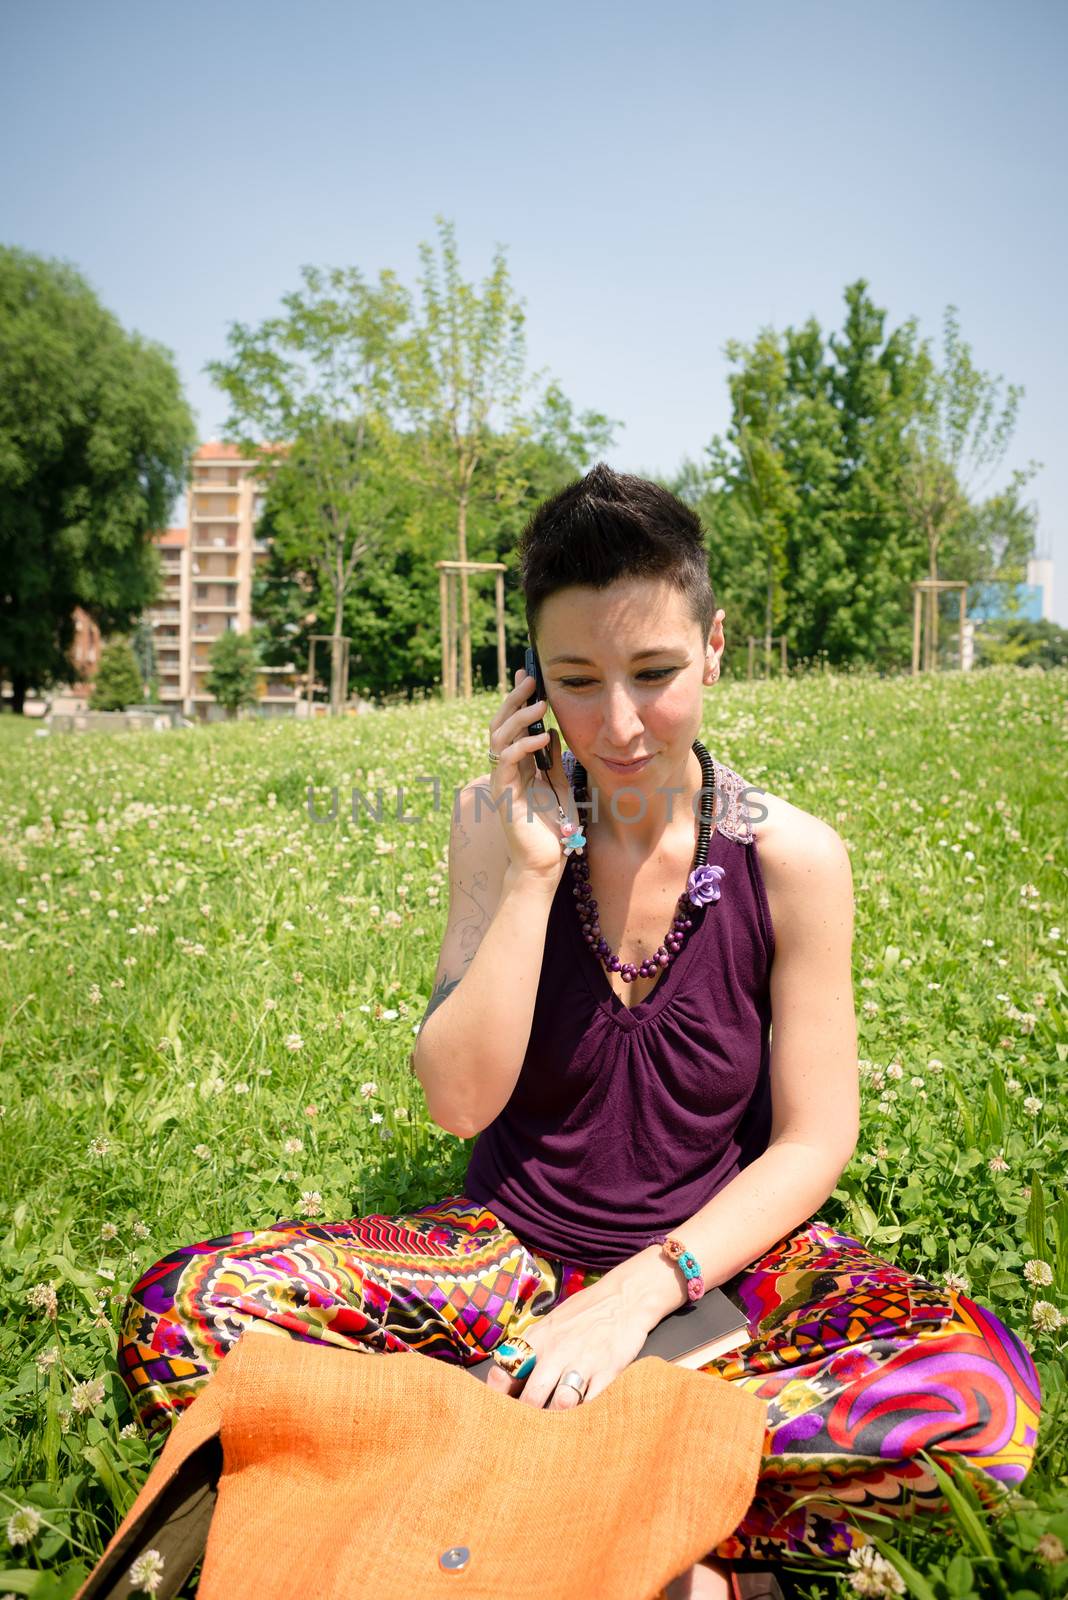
column 625, row 1121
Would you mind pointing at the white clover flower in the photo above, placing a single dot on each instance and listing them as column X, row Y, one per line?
column 1013, row 1085
column 998, row 1163
column 390, row 1016
column 1032, row 1105
column 129, row 1430
column 1045, row 1316
column 934, row 1065
column 895, row 1070
column 87, row 1396
column 956, row 1281
column 141, row 1230
column 311, row 1203
column 46, row 1359
column 376, row 1116
column 270, row 1005
column 241, row 1088
column 99, row 1146
column 873, row 1574
column 294, row 1042
column 1039, row 1274
column 95, row 995
column 147, row 1572
column 916, row 1082
column 368, row 1089
column 201, row 1150
column 1051, row 1549
column 293, row 1147
column 23, row 1525
column 42, row 1297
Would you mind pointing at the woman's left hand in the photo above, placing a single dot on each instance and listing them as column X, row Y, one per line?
column 596, row 1331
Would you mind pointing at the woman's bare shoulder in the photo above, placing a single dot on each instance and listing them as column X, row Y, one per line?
column 791, row 843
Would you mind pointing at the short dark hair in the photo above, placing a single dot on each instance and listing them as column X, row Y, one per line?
column 611, row 525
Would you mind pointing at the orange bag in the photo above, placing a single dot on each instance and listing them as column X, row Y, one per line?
column 309, row 1469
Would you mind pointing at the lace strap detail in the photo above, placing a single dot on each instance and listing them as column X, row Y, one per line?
column 730, row 810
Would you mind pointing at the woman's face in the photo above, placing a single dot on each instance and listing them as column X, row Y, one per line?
column 624, row 668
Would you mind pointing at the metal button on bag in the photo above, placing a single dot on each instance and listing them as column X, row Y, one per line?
column 454, row 1559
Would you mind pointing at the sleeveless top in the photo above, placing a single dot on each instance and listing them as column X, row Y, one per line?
column 625, row 1121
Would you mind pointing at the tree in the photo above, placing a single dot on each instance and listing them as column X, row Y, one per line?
column 234, row 671
column 461, row 361
column 143, row 645
column 392, row 615
column 95, row 440
column 118, row 679
column 374, row 411
column 961, row 430
column 303, row 388
column 814, row 534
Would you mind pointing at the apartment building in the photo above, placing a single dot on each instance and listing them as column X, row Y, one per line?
column 208, row 570
column 169, row 618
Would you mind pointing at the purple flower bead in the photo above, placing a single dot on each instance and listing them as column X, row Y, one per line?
column 702, row 885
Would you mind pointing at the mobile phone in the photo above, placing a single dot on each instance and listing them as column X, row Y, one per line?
column 543, row 754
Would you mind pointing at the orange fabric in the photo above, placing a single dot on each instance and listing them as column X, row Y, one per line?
column 349, row 1473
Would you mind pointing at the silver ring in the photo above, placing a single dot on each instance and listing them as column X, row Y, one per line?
column 574, row 1380
column 493, row 758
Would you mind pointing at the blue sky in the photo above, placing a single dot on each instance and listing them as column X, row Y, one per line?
column 661, row 179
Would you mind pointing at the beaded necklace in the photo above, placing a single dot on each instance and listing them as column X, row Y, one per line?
column 702, row 885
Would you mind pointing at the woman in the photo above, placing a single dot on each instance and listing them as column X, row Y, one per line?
column 650, row 1026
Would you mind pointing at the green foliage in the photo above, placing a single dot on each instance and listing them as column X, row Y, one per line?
column 118, row 682
column 1016, row 641
column 234, row 671
column 245, row 978
column 842, row 475
column 404, row 444
column 95, row 438
column 392, row 616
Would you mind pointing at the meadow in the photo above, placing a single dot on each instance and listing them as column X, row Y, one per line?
column 208, row 997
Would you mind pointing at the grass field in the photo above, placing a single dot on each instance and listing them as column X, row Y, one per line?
column 207, row 1002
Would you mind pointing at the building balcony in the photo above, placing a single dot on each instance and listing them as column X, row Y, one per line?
column 219, row 542
column 215, row 577
column 163, row 614
column 204, row 515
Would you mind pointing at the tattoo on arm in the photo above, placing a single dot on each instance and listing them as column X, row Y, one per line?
column 442, row 990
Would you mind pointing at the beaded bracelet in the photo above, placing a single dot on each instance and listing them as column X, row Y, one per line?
column 677, row 1252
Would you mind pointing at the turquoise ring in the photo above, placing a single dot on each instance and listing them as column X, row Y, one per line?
column 516, row 1357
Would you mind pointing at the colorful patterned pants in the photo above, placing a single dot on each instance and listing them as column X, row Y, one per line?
column 862, row 1365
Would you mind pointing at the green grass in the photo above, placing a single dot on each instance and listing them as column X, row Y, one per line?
column 194, row 974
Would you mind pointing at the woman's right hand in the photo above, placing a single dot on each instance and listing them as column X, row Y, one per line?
column 526, row 804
